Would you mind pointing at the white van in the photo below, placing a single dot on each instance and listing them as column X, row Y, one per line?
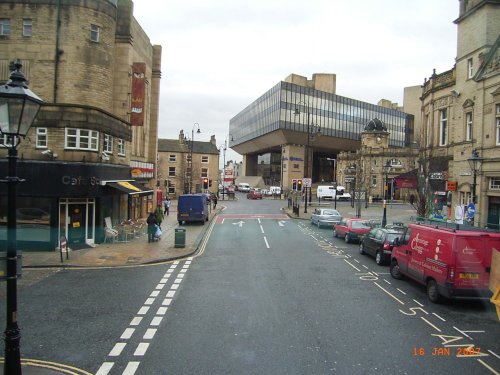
column 328, row 192
column 244, row 187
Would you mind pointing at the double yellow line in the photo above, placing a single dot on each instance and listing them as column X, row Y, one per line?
column 63, row 369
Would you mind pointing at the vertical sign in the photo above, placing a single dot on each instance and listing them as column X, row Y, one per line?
column 138, row 94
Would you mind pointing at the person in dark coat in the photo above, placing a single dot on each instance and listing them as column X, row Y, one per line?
column 152, row 223
column 214, row 199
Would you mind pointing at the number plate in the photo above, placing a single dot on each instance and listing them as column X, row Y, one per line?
column 184, row 214
column 469, row 275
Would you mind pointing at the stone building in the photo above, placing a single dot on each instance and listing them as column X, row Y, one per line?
column 461, row 116
column 91, row 153
column 183, row 164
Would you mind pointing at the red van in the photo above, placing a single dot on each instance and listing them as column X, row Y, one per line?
column 450, row 262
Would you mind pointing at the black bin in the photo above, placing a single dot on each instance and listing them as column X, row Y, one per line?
column 180, row 237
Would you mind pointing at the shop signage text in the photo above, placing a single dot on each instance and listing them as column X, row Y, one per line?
column 80, row 180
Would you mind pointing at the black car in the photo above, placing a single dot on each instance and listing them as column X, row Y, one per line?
column 378, row 243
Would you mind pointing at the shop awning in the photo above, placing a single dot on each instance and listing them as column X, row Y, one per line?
column 129, row 187
column 406, row 180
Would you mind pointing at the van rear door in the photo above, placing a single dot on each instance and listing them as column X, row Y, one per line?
column 473, row 260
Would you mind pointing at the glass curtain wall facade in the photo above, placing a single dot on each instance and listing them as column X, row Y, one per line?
column 337, row 116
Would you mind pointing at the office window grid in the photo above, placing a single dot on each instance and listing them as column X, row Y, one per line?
column 81, row 139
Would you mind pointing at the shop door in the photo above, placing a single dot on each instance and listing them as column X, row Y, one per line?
column 77, row 223
column 494, row 216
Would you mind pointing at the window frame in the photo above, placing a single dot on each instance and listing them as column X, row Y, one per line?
column 172, row 158
column 205, row 159
column 92, row 137
column 204, row 172
column 443, row 127
column 107, row 143
column 468, row 125
column 470, row 68
column 27, row 27
column 494, row 183
column 121, row 147
column 171, row 171
column 41, row 133
column 5, row 27
column 95, row 33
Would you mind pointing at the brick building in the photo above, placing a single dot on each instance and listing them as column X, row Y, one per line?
column 91, row 153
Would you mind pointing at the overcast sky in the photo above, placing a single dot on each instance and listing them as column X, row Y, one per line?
column 218, row 56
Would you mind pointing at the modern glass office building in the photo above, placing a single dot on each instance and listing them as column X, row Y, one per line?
column 281, row 117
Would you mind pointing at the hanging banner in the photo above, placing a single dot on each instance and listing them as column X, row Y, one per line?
column 138, row 94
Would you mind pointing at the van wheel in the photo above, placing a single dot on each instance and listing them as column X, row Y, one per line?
column 346, row 238
column 378, row 258
column 180, row 222
column 361, row 251
column 432, row 291
column 395, row 271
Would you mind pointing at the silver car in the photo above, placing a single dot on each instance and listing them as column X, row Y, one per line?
column 325, row 216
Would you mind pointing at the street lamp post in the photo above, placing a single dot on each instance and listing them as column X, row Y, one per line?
column 191, row 155
column 310, row 133
column 224, row 148
column 334, row 179
column 387, row 168
column 19, row 107
column 475, row 162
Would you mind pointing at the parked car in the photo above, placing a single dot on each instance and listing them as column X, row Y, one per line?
column 449, row 262
column 379, row 243
column 352, row 229
column 254, row 194
column 325, row 216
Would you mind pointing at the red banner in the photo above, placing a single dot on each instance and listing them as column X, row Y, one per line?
column 138, row 94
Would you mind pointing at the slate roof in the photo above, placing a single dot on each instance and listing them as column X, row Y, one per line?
column 173, row 145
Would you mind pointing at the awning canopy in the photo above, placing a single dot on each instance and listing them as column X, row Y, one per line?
column 406, row 180
column 129, row 187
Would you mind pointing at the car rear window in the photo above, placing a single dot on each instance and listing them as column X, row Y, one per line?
column 360, row 224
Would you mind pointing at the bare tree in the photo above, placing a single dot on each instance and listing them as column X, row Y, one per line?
column 422, row 201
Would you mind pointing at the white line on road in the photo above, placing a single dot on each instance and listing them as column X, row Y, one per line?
column 156, row 321
column 178, row 281
column 136, row 321
column 429, row 323
column 131, row 368
column 418, row 303
column 357, row 261
column 261, row 230
column 170, row 294
column 174, row 286
column 149, row 301
column 167, row 301
column 143, row 310
column 399, row 290
column 117, row 349
column 388, row 282
column 127, row 333
column 105, row 368
column 436, row 315
column 393, row 296
column 162, row 311
column 495, row 354
column 488, row 367
column 141, row 348
column 364, row 266
column 352, row 265
column 150, row 333
column 160, row 286
column 154, row 293
column 265, row 240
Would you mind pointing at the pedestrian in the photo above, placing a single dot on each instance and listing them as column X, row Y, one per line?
column 214, row 198
column 152, row 223
column 167, row 206
column 159, row 215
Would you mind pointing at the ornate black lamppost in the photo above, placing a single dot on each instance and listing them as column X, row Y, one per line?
column 19, row 107
column 191, row 155
column 387, row 167
column 475, row 162
column 311, row 131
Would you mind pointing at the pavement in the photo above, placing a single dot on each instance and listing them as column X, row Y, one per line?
column 138, row 252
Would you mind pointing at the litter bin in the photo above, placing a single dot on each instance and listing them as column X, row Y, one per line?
column 180, row 237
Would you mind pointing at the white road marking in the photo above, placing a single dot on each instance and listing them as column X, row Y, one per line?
column 496, row 355
column 150, row 333
column 429, row 323
column 131, row 368
column 175, row 263
column 182, row 271
column 465, row 334
column 154, row 293
column 364, row 266
column 141, row 349
column 127, row 333
column 149, row 301
column 180, row 276
column 399, row 290
column 136, row 321
column 352, row 265
column 160, row 286
column 143, row 310
column 177, row 281
column 105, row 368
column 167, row 301
column 117, row 349
column 357, row 261
column 156, row 321
column 188, row 262
column 265, row 240
column 438, row 316
column 388, row 282
column 170, row 293
column 162, row 311
column 393, row 296
column 261, row 229
column 418, row 303
column 488, row 367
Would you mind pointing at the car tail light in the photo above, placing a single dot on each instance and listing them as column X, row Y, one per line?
column 387, row 246
column 451, row 273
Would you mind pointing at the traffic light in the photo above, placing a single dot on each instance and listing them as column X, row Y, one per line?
column 205, row 183
column 299, row 185
column 294, row 184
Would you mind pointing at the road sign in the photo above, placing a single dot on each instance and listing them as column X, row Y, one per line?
column 307, row 182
